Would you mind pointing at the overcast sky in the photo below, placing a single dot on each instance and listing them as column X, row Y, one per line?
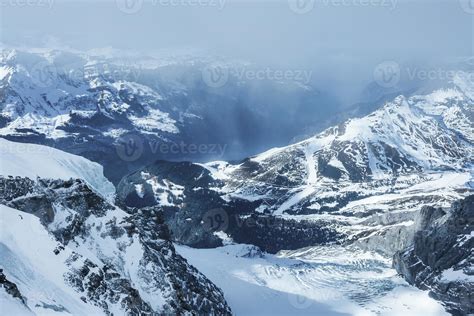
column 342, row 36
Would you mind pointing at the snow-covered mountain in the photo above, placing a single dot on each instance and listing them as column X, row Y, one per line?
column 306, row 228
column 411, row 152
column 66, row 249
column 44, row 92
column 80, row 104
column 89, row 103
column 360, row 184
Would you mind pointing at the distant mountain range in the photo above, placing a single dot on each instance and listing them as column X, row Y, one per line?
column 89, row 103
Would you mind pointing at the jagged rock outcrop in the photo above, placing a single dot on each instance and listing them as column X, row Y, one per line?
column 441, row 258
column 121, row 262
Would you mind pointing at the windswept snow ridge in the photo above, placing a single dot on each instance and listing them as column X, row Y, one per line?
column 32, row 161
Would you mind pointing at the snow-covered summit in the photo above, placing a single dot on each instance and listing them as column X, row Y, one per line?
column 433, row 131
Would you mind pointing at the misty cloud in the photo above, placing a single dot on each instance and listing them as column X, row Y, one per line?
column 339, row 41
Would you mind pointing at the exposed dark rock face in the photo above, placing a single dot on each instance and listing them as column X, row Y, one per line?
column 192, row 291
column 45, row 196
column 76, row 215
column 102, row 286
column 394, row 236
column 441, row 258
column 11, row 288
column 274, row 233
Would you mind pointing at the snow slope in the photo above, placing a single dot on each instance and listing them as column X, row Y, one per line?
column 30, row 160
column 30, row 263
column 311, row 281
column 12, row 306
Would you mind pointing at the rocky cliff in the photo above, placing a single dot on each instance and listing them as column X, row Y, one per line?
column 113, row 260
column 441, row 258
